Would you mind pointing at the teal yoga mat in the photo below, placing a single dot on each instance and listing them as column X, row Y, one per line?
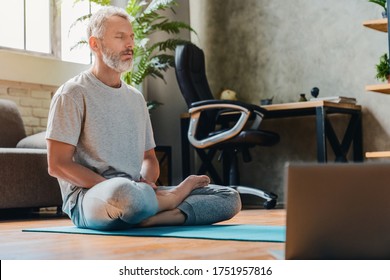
column 237, row 232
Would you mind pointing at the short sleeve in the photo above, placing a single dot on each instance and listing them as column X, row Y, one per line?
column 65, row 119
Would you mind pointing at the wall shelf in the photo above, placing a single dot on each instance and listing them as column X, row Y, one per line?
column 381, row 88
column 378, row 154
column 377, row 24
column 382, row 25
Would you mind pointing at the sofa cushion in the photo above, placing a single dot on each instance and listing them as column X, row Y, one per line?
column 11, row 124
column 36, row 141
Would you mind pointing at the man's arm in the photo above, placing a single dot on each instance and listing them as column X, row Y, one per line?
column 150, row 170
column 61, row 165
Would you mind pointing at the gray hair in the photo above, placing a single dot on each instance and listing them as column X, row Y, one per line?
column 96, row 26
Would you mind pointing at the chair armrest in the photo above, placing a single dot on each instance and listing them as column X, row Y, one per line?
column 224, row 135
column 228, row 107
column 24, row 179
column 250, row 107
column 245, row 112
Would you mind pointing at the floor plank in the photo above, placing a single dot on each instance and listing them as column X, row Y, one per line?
column 15, row 244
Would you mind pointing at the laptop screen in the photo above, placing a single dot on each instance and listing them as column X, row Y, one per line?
column 337, row 211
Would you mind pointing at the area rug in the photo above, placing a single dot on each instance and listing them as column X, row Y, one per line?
column 237, row 232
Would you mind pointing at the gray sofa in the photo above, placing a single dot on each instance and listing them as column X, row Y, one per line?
column 24, row 180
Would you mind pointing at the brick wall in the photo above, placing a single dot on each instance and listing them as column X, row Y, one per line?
column 33, row 101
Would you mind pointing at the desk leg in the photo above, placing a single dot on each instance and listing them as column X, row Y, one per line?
column 353, row 134
column 185, row 148
column 358, row 140
column 321, row 136
column 340, row 150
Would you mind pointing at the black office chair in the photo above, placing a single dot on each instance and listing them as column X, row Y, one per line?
column 220, row 125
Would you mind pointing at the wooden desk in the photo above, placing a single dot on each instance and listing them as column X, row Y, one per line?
column 324, row 128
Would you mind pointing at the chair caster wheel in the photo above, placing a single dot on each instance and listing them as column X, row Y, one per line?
column 270, row 204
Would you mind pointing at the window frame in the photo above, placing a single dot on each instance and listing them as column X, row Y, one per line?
column 55, row 40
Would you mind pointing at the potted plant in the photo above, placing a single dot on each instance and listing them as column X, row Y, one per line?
column 150, row 58
column 381, row 3
column 383, row 68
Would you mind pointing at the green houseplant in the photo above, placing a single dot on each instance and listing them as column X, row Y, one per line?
column 383, row 68
column 149, row 17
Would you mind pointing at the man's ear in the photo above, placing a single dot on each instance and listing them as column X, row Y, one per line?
column 93, row 43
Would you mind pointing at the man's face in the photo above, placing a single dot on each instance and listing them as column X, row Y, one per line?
column 117, row 44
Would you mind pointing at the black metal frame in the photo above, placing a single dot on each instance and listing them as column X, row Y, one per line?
column 353, row 134
column 324, row 130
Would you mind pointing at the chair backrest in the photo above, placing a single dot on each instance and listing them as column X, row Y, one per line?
column 191, row 73
column 11, row 124
column 191, row 76
column 182, row 70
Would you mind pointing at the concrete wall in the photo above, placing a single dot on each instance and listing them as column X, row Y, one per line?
column 280, row 48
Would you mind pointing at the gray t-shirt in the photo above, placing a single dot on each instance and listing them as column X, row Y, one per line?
column 110, row 128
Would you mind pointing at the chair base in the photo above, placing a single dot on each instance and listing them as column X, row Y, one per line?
column 270, row 198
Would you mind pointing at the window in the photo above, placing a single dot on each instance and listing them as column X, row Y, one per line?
column 37, row 26
column 25, row 24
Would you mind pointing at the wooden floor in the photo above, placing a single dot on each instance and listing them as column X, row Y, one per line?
column 15, row 244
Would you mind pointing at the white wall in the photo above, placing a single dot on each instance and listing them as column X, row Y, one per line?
column 29, row 68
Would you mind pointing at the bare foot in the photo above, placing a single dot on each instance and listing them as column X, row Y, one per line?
column 195, row 182
column 170, row 199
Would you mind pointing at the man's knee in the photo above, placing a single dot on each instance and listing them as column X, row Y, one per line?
column 233, row 204
column 137, row 200
column 119, row 199
column 211, row 204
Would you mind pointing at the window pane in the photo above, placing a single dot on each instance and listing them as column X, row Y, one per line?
column 12, row 24
column 70, row 12
column 38, row 25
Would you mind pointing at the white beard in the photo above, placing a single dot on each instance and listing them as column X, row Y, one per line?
column 114, row 61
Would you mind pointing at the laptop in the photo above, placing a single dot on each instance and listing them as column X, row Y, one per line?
column 337, row 211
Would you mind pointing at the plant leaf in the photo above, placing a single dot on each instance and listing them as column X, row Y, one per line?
column 383, row 68
column 79, row 44
column 153, row 104
column 169, row 44
column 379, row 2
column 77, row 21
column 157, row 5
column 171, row 27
